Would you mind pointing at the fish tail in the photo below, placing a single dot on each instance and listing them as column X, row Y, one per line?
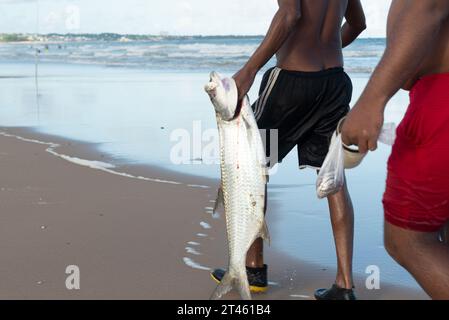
column 242, row 285
column 224, row 287
column 237, row 280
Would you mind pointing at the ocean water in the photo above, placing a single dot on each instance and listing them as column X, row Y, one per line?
column 172, row 53
column 137, row 100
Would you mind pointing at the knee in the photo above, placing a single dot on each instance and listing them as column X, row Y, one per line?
column 340, row 203
column 390, row 245
column 394, row 247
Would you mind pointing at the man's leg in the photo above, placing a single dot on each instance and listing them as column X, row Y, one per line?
column 342, row 218
column 423, row 255
column 254, row 257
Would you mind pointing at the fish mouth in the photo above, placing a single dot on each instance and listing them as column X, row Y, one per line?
column 214, row 76
column 210, row 87
column 224, row 96
column 213, row 84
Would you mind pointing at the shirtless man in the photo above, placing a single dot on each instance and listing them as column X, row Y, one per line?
column 304, row 97
column 416, row 201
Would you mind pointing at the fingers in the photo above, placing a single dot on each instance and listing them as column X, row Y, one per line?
column 366, row 143
column 372, row 144
column 348, row 137
column 242, row 92
column 347, row 140
column 363, row 146
column 344, row 135
column 362, row 141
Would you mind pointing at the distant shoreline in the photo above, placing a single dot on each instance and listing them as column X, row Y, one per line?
column 84, row 37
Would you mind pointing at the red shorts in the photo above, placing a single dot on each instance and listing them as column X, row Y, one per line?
column 417, row 194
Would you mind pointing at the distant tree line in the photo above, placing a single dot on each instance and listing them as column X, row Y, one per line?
column 13, row 37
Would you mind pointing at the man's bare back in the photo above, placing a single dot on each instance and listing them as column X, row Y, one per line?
column 305, row 35
column 315, row 44
column 437, row 60
column 437, row 57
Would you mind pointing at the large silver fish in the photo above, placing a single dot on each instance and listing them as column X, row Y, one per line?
column 243, row 181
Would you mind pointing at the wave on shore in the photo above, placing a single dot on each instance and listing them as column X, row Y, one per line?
column 227, row 53
column 97, row 165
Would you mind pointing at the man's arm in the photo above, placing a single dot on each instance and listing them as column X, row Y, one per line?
column 282, row 25
column 355, row 22
column 411, row 33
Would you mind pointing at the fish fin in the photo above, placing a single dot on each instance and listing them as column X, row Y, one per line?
column 242, row 285
column 238, row 280
column 224, row 287
column 254, row 137
column 265, row 234
column 218, row 201
column 248, row 118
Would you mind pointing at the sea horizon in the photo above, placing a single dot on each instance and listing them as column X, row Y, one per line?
column 161, row 34
column 166, row 53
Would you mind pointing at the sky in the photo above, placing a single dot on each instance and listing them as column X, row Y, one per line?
column 174, row 17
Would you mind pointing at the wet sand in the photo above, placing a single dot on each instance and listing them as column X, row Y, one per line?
column 131, row 238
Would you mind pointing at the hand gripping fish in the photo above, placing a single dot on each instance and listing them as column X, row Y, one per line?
column 243, row 180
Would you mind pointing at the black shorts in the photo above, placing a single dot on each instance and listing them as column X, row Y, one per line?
column 304, row 108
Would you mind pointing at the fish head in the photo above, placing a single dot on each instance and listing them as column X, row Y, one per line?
column 223, row 94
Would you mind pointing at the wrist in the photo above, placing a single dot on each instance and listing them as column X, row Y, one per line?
column 376, row 102
column 251, row 68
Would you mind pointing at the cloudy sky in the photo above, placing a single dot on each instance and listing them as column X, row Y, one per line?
column 177, row 17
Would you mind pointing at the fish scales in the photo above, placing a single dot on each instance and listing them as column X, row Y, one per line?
column 243, row 181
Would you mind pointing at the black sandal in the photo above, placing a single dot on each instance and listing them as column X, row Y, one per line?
column 335, row 293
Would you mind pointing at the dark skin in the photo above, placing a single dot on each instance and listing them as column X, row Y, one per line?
column 418, row 45
column 306, row 35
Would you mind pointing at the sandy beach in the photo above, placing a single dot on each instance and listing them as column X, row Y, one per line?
column 91, row 181
column 131, row 238
column 110, row 153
